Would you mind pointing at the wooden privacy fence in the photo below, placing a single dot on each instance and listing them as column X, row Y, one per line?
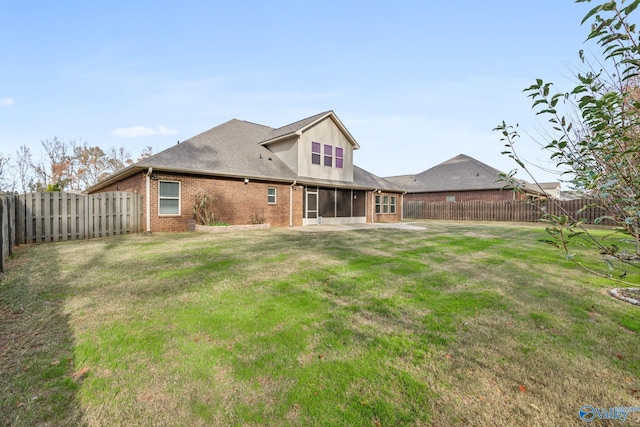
column 7, row 227
column 55, row 216
column 514, row 211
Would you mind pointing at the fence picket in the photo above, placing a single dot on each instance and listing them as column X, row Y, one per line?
column 514, row 211
column 53, row 216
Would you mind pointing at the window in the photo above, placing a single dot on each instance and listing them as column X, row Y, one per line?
column 339, row 157
column 315, row 153
column 378, row 206
column 451, row 198
column 322, row 154
column 385, row 204
column 271, row 195
column 169, row 198
column 328, row 155
column 392, row 206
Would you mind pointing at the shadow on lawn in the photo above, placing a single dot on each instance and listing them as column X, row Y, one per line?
column 38, row 379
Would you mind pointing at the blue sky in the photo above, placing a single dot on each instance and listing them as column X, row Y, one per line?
column 415, row 82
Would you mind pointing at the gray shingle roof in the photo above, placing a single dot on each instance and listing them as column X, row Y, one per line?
column 362, row 179
column 235, row 149
column 293, row 127
column 461, row 173
column 230, row 149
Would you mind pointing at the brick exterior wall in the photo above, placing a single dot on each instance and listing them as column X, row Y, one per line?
column 236, row 202
column 382, row 217
column 465, row 196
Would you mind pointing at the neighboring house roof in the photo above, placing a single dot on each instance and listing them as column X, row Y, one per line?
column 549, row 185
column 461, row 173
column 238, row 148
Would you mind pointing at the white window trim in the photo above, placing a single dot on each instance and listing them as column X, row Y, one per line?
column 170, row 198
column 326, row 156
column 318, row 153
column 341, row 158
column 275, row 196
column 393, row 200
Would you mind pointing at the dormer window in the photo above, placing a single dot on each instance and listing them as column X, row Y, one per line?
column 324, row 154
column 315, row 153
column 328, row 155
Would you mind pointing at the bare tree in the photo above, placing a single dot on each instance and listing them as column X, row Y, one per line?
column 146, row 153
column 118, row 159
column 24, row 169
column 6, row 183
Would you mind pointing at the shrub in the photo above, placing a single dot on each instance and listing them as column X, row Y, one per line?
column 203, row 209
column 257, row 219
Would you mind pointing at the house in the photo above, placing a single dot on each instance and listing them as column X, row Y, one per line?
column 552, row 189
column 299, row 174
column 462, row 179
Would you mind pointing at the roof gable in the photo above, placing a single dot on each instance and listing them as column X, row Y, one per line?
column 297, row 128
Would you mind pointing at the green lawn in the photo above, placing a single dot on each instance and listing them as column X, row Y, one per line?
column 458, row 324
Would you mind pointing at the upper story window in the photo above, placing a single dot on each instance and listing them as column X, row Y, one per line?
column 339, row 157
column 328, row 155
column 169, row 198
column 315, row 153
column 324, row 154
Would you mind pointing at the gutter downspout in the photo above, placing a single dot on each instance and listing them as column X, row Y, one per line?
column 147, row 196
column 373, row 205
column 402, row 206
column 291, row 203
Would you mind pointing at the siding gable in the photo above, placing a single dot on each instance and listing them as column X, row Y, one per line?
column 325, row 132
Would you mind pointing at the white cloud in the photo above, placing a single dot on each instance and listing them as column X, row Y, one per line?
column 7, row 102
column 140, row 131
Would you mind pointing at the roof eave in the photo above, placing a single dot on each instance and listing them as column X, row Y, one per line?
column 349, row 185
column 281, row 138
column 222, row 174
column 117, row 176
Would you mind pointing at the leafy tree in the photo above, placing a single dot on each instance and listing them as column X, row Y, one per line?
column 66, row 164
column 58, row 169
column 90, row 165
column 594, row 130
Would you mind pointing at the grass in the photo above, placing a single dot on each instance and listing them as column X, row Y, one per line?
column 459, row 324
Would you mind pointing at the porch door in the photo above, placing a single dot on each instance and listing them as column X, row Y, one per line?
column 312, row 203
